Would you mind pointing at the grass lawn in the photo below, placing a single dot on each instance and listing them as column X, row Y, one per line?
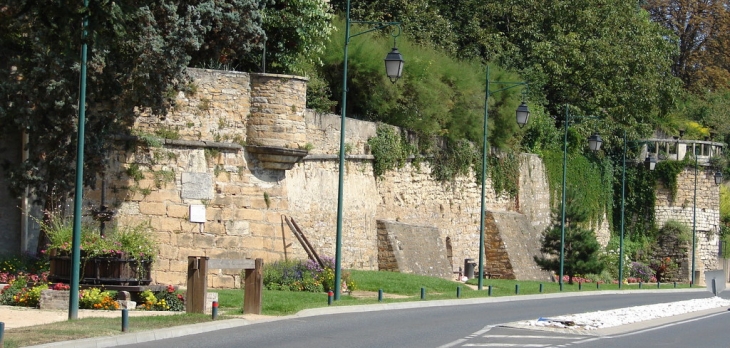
column 397, row 287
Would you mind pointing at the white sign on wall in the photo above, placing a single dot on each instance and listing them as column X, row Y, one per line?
column 197, row 213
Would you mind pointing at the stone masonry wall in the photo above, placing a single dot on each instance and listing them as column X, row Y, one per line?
column 208, row 169
column 680, row 208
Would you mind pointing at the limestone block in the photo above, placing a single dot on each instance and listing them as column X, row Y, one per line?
column 147, row 208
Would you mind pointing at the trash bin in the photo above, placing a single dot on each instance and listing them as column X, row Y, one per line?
column 469, row 265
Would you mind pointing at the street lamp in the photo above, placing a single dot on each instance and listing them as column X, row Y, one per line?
column 594, row 142
column 393, row 68
column 523, row 115
column 650, row 164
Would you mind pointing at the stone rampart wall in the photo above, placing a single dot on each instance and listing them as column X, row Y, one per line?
column 682, row 208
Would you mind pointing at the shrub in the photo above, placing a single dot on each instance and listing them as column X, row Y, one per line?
column 168, row 300
column 641, row 271
column 304, row 276
column 95, row 298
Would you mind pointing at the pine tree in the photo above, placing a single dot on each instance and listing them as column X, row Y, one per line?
column 581, row 247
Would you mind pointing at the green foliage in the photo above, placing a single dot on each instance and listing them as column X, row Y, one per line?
column 580, row 253
column 163, row 177
column 135, row 172
column 437, row 95
column 168, row 133
column 96, row 298
column 390, row 150
column 667, row 172
column 291, row 276
column 169, row 299
column 540, row 133
column 138, row 52
column 589, row 176
column 505, row 173
column 678, row 230
column 640, row 197
column 296, row 30
column 131, row 241
column 9, row 293
column 453, row 158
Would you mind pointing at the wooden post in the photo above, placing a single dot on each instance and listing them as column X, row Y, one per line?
column 197, row 291
column 253, row 288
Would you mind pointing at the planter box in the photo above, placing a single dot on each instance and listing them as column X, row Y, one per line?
column 102, row 270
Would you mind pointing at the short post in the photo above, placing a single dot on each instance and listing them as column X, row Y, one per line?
column 125, row 320
column 330, row 295
column 517, row 289
column 598, row 285
column 2, row 333
column 541, row 288
column 214, row 310
column 253, row 288
column 658, row 284
column 380, row 295
column 197, row 284
column 489, row 290
column 458, row 292
column 640, row 285
column 423, row 293
column 580, row 286
column 714, row 288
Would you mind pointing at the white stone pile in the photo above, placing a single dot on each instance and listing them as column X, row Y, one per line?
column 622, row 316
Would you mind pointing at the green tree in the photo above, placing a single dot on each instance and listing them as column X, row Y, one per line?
column 580, row 255
column 138, row 52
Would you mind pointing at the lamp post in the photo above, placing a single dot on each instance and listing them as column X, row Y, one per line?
column 523, row 115
column 650, row 164
column 73, row 303
column 594, row 142
column 394, row 68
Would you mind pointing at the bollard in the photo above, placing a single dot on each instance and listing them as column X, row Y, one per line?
column 598, row 285
column 125, row 320
column 214, row 310
column 380, row 295
column 423, row 293
column 640, row 285
column 517, row 289
column 658, row 284
column 330, row 294
column 580, row 286
column 540, row 287
column 714, row 288
column 489, row 290
column 2, row 330
column 458, row 292
column 675, row 285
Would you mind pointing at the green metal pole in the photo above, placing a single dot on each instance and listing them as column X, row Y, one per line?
column 73, row 303
column 694, row 223
column 484, row 178
column 623, row 202
column 562, row 207
column 341, row 184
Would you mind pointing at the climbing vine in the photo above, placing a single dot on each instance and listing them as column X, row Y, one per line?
column 454, row 158
column 389, row 149
column 591, row 177
column 504, row 171
column 667, row 172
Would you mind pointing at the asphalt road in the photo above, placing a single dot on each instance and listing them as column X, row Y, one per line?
column 449, row 325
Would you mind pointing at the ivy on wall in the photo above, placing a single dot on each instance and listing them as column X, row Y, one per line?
column 448, row 160
column 591, row 179
column 667, row 172
column 639, row 201
column 389, row 149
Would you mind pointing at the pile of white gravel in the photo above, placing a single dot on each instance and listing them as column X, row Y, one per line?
column 622, row 316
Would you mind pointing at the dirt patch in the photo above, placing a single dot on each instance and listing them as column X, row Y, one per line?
column 374, row 294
